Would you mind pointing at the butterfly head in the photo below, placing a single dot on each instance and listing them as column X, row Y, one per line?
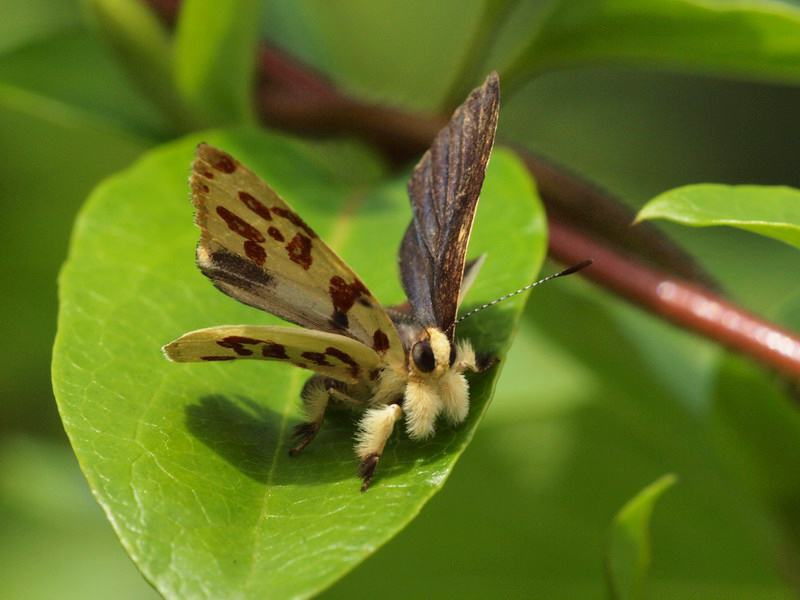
column 432, row 354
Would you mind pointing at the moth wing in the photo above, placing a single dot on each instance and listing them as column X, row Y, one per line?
column 256, row 249
column 329, row 354
column 444, row 190
column 471, row 270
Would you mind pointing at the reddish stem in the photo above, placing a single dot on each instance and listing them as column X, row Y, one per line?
column 679, row 301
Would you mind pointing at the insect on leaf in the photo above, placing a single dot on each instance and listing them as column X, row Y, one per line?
column 190, row 460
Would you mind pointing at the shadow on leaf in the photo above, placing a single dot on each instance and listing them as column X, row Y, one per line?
column 239, row 430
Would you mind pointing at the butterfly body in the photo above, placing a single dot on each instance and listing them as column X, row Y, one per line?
column 388, row 364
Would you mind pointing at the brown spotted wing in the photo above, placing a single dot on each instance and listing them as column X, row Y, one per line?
column 256, row 249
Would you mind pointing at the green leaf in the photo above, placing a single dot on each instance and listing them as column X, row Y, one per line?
column 55, row 542
column 190, row 461
column 628, row 553
column 398, row 53
column 68, row 79
column 24, row 22
column 215, row 57
column 750, row 39
column 143, row 47
column 772, row 211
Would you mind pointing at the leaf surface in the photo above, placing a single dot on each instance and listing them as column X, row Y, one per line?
column 753, row 39
column 190, row 461
column 215, row 56
column 772, row 211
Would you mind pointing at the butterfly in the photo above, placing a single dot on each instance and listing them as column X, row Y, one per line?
column 386, row 363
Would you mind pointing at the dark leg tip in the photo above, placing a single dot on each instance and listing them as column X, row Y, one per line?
column 367, row 469
column 484, row 362
column 304, row 432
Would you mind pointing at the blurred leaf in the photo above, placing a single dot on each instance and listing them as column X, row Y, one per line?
column 628, row 551
column 189, row 461
column 69, row 79
column 215, row 56
column 69, row 119
column 471, row 70
column 397, row 53
column 758, row 424
column 24, row 22
column 143, row 47
column 55, row 542
column 769, row 211
column 749, row 39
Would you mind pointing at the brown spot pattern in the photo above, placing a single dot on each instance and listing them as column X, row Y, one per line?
column 234, row 270
column 274, row 350
column 255, row 205
column 240, row 226
column 222, row 162
column 255, row 252
column 380, row 341
column 318, row 358
column 345, row 358
column 205, row 188
column 208, row 175
column 300, row 250
column 236, row 343
column 212, row 358
column 345, row 294
column 294, row 220
column 275, row 234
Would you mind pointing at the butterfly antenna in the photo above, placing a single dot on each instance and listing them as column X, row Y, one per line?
column 570, row 271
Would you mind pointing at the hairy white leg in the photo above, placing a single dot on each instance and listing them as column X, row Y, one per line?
column 454, row 394
column 422, row 405
column 374, row 430
column 467, row 360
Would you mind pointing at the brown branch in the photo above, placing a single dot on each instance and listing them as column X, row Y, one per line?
column 679, row 301
column 585, row 222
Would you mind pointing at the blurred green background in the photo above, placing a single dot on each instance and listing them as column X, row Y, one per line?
column 597, row 399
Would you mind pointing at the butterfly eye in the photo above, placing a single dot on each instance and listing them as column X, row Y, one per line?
column 452, row 354
column 422, row 355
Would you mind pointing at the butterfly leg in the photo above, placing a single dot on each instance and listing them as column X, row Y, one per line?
column 374, row 430
column 315, row 400
column 467, row 360
column 317, row 394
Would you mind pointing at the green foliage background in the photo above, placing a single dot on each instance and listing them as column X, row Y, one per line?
column 596, row 401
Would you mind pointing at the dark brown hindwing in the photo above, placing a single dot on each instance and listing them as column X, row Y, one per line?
column 444, row 191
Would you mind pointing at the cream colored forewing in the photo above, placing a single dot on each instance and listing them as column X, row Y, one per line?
column 330, row 354
column 256, row 249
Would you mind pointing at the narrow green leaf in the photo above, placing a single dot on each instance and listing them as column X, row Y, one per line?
column 143, row 48
column 215, row 55
column 470, row 71
column 190, row 461
column 772, row 211
column 759, row 39
column 628, row 553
